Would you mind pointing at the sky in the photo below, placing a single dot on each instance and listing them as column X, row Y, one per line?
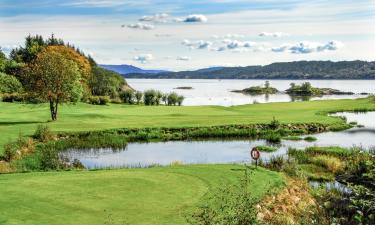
column 190, row 34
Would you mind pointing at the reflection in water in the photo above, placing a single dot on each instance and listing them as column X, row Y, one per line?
column 218, row 92
column 214, row 151
column 334, row 185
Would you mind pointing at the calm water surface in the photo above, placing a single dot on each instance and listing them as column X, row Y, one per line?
column 232, row 151
column 218, row 92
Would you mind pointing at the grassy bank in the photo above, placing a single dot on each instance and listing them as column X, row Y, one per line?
column 164, row 195
column 24, row 118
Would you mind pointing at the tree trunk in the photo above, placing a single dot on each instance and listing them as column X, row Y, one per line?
column 53, row 106
column 52, row 109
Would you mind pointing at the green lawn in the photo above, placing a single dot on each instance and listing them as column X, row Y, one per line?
column 163, row 195
column 22, row 119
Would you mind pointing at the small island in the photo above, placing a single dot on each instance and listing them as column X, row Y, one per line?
column 258, row 90
column 184, row 88
column 305, row 89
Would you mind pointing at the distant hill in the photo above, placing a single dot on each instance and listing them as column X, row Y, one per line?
column 285, row 70
column 126, row 69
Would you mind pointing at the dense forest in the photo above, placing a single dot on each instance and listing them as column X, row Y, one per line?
column 286, row 70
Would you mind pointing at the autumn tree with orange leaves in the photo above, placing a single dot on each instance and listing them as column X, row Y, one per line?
column 56, row 77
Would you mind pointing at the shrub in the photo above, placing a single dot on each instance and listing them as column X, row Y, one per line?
column 230, row 204
column 104, row 100
column 275, row 124
column 49, row 158
column 15, row 150
column 330, row 163
column 149, row 97
column 127, row 96
column 272, row 137
column 98, row 100
column 158, row 97
column 138, row 97
column 9, row 84
column 116, row 101
column 11, row 151
column 180, row 99
column 276, row 163
column 13, row 97
column 94, row 100
column 43, row 133
column 300, row 155
column 172, row 98
column 164, row 98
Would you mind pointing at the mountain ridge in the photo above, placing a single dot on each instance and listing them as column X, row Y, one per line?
column 356, row 69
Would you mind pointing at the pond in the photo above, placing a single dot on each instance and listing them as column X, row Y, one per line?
column 218, row 92
column 218, row 151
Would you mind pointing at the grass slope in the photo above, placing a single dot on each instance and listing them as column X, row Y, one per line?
column 23, row 118
column 163, row 195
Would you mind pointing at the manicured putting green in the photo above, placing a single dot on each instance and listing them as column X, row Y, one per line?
column 162, row 195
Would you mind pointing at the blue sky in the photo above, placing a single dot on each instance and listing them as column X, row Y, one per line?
column 180, row 34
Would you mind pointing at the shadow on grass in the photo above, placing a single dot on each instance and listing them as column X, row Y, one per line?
column 19, row 122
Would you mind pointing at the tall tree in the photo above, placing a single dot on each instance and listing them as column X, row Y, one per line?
column 3, row 61
column 55, row 78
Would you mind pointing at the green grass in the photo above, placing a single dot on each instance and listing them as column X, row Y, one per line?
column 266, row 148
column 24, row 118
column 160, row 195
column 293, row 138
column 332, row 150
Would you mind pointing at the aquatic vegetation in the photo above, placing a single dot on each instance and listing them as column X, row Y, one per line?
column 293, row 138
column 266, row 148
column 310, row 139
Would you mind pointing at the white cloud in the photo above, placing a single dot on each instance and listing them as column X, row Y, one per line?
column 195, row 18
column 141, row 26
column 274, row 34
column 305, row 47
column 201, row 44
column 235, row 45
column 183, row 58
column 160, row 17
column 144, row 58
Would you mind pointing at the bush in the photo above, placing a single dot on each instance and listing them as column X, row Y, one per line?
column 98, row 100
column 149, row 97
column 172, row 98
column 116, row 101
column 138, row 97
column 13, row 97
column 94, row 100
column 180, row 99
column 15, row 150
column 330, row 163
column 104, row 100
column 272, row 137
column 275, row 124
column 43, row 133
column 127, row 96
column 9, row 84
column 49, row 158
column 230, row 204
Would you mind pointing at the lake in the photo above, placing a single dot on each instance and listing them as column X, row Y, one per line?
column 218, row 92
column 218, row 151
